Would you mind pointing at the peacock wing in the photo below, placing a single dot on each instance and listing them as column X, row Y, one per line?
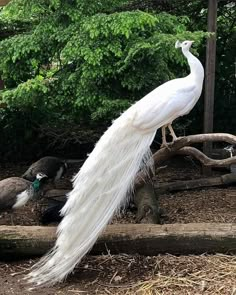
column 9, row 189
column 163, row 105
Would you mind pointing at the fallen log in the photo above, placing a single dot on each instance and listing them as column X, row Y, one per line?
column 227, row 179
column 145, row 239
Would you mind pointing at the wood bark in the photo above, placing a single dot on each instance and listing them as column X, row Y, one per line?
column 145, row 239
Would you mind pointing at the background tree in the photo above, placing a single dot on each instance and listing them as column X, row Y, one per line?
column 74, row 65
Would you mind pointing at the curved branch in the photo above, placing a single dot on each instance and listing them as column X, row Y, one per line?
column 179, row 147
column 206, row 161
column 167, row 152
column 200, row 138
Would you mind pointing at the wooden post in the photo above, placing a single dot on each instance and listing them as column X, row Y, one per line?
column 210, row 77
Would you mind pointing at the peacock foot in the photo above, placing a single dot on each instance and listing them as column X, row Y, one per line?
column 165, row 145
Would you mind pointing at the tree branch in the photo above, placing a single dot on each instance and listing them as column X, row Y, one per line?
column 200, row 138
column 179, row 147
column 206, row 161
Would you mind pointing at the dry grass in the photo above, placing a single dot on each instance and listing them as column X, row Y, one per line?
column 182, row 275
column 141, row 275
column 217, row 277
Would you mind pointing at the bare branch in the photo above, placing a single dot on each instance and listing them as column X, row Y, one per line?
column 179, row 147
column 200, row 138
column 206, row 161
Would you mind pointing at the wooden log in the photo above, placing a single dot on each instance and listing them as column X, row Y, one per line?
column 145, row 239
column 227, row 179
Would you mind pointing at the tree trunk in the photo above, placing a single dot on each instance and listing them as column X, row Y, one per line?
column 192, row 238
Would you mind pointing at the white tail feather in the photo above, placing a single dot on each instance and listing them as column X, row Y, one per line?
column 99, row 189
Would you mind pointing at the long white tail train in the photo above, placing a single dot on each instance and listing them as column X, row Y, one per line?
column 99, row 188
column 107, row 175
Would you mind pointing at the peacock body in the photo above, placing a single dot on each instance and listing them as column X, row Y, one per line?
column 102, row 184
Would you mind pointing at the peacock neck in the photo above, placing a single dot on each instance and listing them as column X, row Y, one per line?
column 36, row 185
column 196, row 68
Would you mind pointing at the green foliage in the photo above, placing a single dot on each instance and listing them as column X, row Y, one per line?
column 93, row 60
column 86, row 61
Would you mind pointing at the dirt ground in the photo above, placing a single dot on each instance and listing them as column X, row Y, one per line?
column 125, row 274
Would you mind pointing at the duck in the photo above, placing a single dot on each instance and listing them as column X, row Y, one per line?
column 53, row 167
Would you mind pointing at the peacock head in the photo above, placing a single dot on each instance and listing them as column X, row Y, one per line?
column 185, row 45
column 41, row 176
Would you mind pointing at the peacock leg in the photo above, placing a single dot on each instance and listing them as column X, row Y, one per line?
column 172, row 132
column 163, row 132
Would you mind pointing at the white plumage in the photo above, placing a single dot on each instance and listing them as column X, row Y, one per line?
column 107, row 175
